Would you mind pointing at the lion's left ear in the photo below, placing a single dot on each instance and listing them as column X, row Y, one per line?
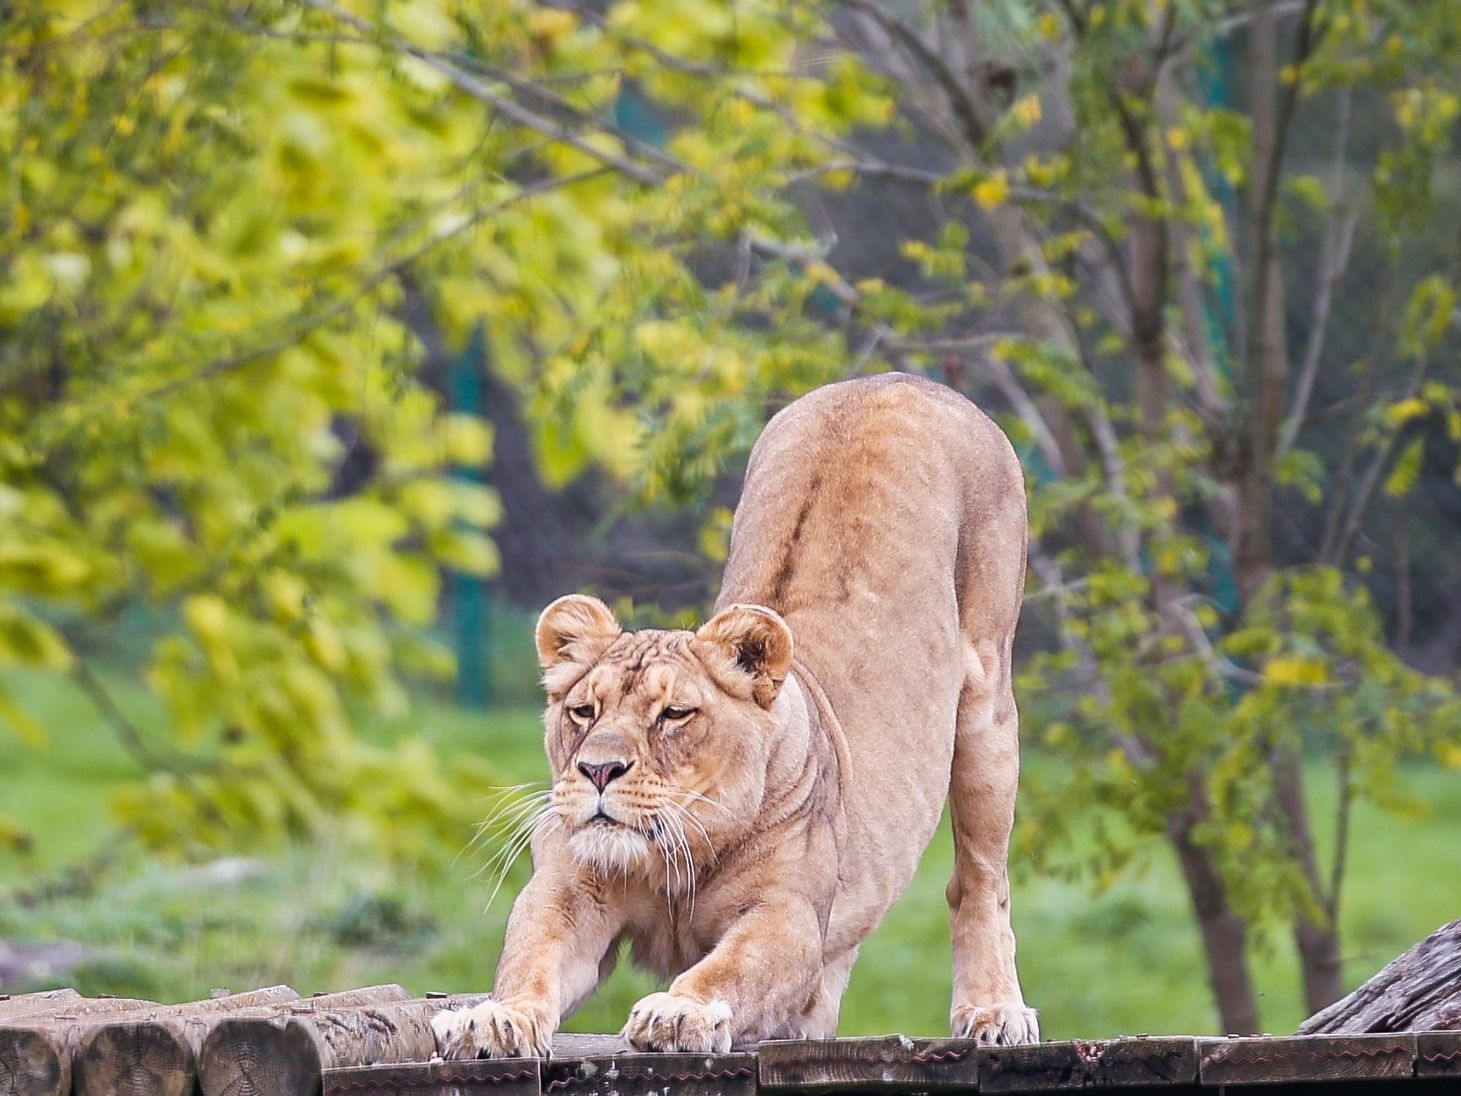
column 758, row 643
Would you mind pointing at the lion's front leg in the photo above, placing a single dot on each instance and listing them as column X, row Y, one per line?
column 764, row 970
column 557, row 936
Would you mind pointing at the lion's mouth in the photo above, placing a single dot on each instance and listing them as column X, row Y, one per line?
column 602, row 819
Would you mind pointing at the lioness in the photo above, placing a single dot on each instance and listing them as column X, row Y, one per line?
column 743, row 803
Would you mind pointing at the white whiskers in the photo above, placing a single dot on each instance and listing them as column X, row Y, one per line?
column 511, row 826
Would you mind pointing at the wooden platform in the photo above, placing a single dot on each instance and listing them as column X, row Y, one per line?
column 377, row 1042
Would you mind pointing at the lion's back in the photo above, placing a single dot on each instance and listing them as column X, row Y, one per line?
column 877, row 485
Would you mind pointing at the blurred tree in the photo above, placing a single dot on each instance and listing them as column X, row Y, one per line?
column 208, row 400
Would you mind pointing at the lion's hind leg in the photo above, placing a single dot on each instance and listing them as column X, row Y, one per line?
column 988, row 1005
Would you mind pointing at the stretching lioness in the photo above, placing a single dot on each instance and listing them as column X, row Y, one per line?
column 744, row 803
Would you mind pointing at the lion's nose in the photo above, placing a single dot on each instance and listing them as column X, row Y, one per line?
column 605, row 773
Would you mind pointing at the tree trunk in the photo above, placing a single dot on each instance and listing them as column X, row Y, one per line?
column 1419, row 991
column 1316, row 937
column 1224, row 936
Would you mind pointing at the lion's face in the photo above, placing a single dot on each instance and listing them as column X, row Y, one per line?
column 658, row 740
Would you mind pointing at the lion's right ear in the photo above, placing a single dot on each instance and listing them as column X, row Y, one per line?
column 575, row 628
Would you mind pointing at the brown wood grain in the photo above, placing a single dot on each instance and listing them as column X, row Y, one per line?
column 36, row 1047
column 647, row 1074
column 501, row 1078
column 1419, row 990
column 288, row 1052
column 883, row 1062
column 1126, row 1063
column 1306, row 1058
column 571, row 1045
column 1438, row 1054
column 28, row 1003
column 154, row 1051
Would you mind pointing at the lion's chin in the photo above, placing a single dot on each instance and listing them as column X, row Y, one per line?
column 609, row 848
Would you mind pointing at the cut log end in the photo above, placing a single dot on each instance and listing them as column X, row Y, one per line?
column 33, row 1062
column 149, row 1057
column 254, row 1057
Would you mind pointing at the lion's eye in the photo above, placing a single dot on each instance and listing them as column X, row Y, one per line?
column 674, row 714
column 584, row 713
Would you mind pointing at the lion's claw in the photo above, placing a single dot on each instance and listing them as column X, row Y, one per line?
column 490, row 1030
column 669, row 1022
column 996, row 1025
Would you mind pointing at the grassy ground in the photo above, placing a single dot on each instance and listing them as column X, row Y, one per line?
column 1124, row 961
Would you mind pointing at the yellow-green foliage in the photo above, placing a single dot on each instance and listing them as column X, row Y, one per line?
column 211, row 218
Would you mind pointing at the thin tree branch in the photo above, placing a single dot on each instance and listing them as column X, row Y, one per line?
column 507, row 106
column 1370, row 481
column 132, row 740
column 965, row 110
column 1342, row 813
column 1334, row 254
column 317, row 318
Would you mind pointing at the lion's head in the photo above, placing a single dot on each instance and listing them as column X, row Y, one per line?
column 658, row 740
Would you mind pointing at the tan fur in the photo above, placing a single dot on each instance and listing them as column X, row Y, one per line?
column 856, row 674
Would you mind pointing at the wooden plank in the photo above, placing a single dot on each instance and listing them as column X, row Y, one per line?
column 886, row 1062
column 1262, row 1061
column 285, row 1054
column 1438, row 1054
column 573, row 1045
column 652, row 1075
column 1037, row 1067
column 518, row 1077
column 1149, row 1060
column 198, row 1030
column 637, row 1074
column 1050, row 1067
column 26, row 1003
column 155, row 1053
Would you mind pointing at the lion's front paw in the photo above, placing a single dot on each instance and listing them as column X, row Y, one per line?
column 490, row 1030
column 996, row 1025
column 665, row 1021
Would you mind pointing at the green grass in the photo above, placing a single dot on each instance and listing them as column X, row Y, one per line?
column 1126, row 960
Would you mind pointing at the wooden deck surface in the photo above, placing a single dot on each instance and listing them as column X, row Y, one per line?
column 376, row 1042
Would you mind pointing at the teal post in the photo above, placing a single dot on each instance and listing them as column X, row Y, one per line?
column 471, row 618
column 1219, row 311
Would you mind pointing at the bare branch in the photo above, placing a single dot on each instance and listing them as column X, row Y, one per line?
column 1370, row 481
column 804, row 255
column 505, row 105
column 1334, row 254
column 963, row 105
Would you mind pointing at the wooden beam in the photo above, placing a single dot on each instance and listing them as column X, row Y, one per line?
column 1306, row 1058
column 1053, row 1067
column 501, row 1078
column 1438, row 1054
column 288, row 1052
column 26, row 1003
column 36, row 1046
column 156, row 1052
column 652, row 1075
column 885, row 1062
